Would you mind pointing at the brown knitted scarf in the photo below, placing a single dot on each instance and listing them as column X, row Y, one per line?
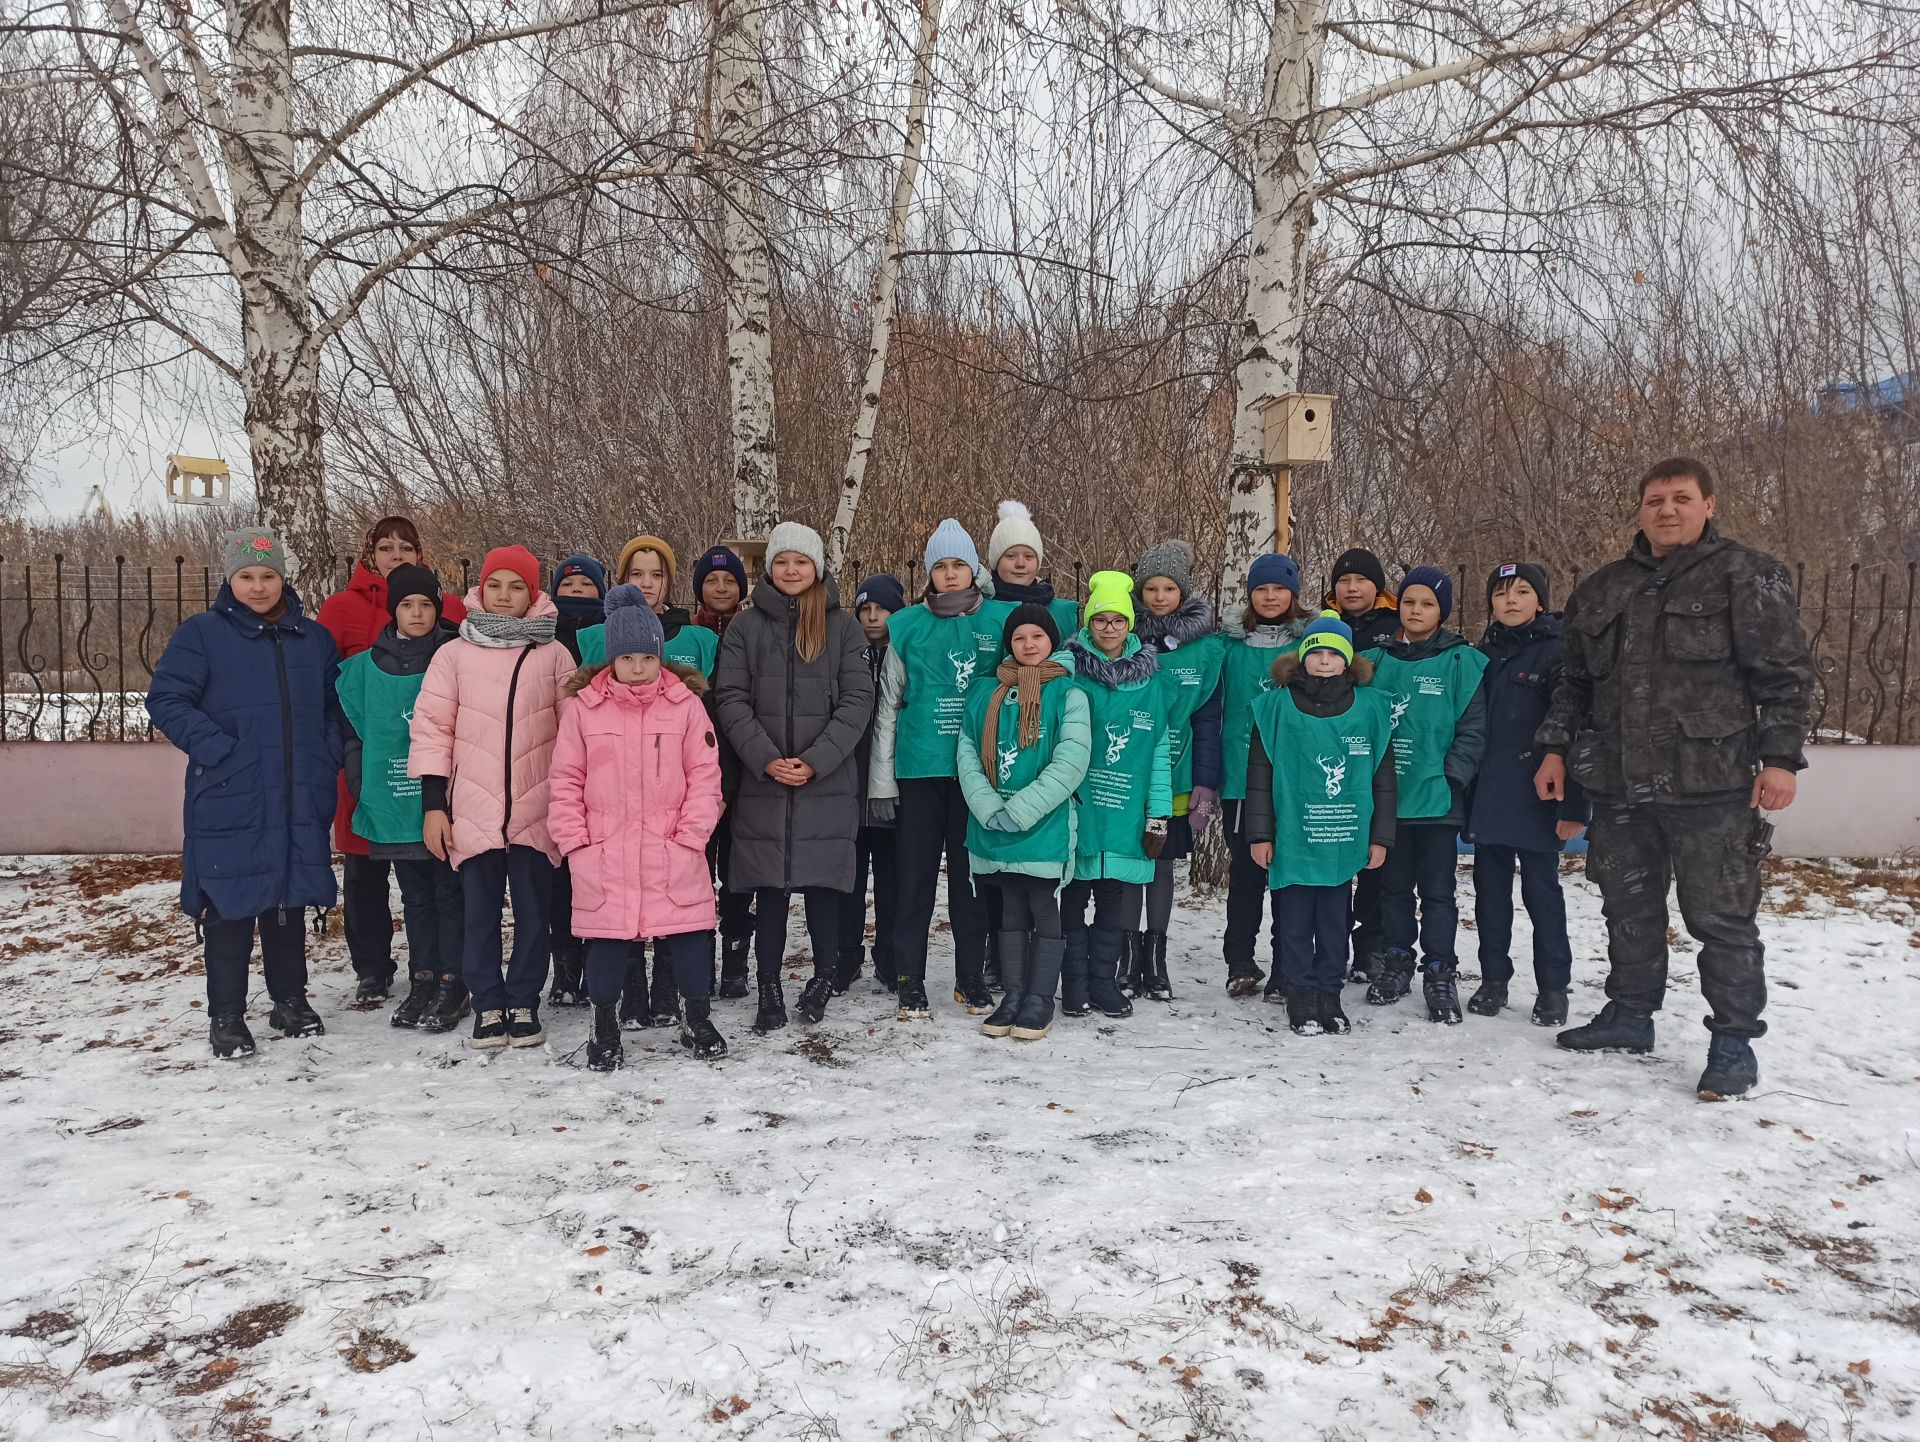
column 1027, row 680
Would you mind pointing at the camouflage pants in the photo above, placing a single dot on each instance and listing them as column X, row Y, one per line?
column 1712, row 851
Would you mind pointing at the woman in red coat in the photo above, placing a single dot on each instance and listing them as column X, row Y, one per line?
column 354, row 617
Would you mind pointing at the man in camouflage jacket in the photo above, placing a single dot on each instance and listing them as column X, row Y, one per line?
column 1683, row 708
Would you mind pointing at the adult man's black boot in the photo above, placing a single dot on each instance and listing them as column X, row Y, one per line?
column 1617, row 1028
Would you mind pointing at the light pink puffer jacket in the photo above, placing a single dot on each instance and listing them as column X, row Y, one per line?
column 461, row 730
column 636, row 794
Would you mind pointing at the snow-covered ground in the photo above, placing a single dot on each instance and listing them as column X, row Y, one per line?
column 1188, row 1225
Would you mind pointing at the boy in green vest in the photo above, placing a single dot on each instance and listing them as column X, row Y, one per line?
column 1023, row 752
column 1125, row 801
column 377, row 689
column 1430, row 679
column 1319, row 809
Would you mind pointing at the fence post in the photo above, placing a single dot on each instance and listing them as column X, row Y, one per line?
column 120, row 641
column 60, row 636
column 1906, row 638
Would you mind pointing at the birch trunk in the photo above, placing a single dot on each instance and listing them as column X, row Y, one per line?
column 1285, row 162
column 740, row 83
column 881, row 303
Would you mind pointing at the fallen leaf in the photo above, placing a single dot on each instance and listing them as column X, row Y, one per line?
column 1423, row 1195
column 1586, row 1114
column 599, row 1251
column 1861, row 1368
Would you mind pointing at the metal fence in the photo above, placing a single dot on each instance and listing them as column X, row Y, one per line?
column 78, row 643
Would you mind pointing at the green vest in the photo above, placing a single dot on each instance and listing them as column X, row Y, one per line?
column 1246, row 676
column 1322, row 786
column 1125, row 725
column 945, row 658
column 1189, row 676
column 1066, row 615
column 380, row 706
column 693, row 646
column 1013, row 769
column 1426, row 700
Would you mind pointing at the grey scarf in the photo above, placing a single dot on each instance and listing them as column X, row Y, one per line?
column 503, row 633
column 1270, row 635
column 955, row 603
column 1189, row 621
column 1112, row 674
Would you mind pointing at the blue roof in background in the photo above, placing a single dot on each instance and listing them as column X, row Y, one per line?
column 1892, row 394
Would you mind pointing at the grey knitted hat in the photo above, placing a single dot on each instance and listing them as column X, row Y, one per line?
column 632, row 628
column 1172, row 559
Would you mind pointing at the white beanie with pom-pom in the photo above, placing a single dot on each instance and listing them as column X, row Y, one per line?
column 1015, row 528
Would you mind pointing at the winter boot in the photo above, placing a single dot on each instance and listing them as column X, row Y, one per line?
column 604, row 1052
column 772, row 1014
column 1012, row 946
column 1035, row 1018
column 1303, row 1012
column 489, row 1030
column 1276, row 991
column 448, row 1006
column 733, row 965
column 664, row 1000
column 847, row 970
column 569, row 979
column 1392, row 980
column 1126, row 969
column 1366, row 966
column 523, row 1027
column 912, row 991
column 294, row 1017
column 373, row 989
column 970, row 990
column 1442, row 987
column 1732, row 1069
column 1617, row 1028
column 413, row 1007
column 993, row 974
column 227, row 1034
column 1243, row 978
column 698, row 1035
column 813, row 999
column 636, row 1014
column 1550, row 1009
column 1105, row 948
column 1152, row 981
column 1333, row 1021
column 884, row 973
column 1487, row 999
column 1073, row 978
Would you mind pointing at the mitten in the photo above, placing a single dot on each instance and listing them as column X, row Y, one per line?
column 1202, row 803
column 1154, row 841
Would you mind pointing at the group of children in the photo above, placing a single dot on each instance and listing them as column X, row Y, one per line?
column 627, row 774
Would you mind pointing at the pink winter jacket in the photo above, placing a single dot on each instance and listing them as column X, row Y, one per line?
column 636, row 794
column 462, row 730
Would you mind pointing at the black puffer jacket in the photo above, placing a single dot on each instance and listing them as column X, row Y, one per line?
column 1523, row 667
column 772, row 704
column 1681, row 674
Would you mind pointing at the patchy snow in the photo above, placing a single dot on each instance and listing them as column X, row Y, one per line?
column 1189, row 1225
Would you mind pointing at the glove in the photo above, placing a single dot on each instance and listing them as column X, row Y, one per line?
column 1202, row 803
column 880, row 810
column 1001, row 821
column 1155, row 839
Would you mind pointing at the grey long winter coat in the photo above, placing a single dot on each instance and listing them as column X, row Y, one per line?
column 772, row 704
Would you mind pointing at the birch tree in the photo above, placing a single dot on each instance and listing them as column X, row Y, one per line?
column 274, row 168
column 1355, row 128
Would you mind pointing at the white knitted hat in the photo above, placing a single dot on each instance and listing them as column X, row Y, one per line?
column 792, row 536
column 1016, row 528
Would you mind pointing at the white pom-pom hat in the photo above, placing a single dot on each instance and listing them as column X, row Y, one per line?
column 1015, row 528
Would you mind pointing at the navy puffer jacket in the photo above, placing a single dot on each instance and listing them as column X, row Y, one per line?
column 1523, row 666
column 252, row 704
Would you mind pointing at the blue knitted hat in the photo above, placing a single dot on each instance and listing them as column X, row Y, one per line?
column 720, row 558
column 950, row 542
column 1436, row 581
column 632, row 628
column 1328, row 633
column 883, row 590
column 1273, row 569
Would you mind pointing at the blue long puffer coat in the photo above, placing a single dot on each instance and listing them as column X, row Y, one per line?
column 252, row 704
column 1523, row 666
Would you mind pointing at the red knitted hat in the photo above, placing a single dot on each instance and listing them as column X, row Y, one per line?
column 517, row 559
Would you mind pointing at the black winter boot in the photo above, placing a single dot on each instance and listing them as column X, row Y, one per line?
column 1013, row 947
column 294, row 1017
column 413, row 1006
column 1073, row 978
column 1442, row 987
column 1276, row 991
column 993, row 974
column 569, row 978
column 1333, row 1021
column 733, row 965
column 970, row 990
column 604, row 1052
column 1243, row 978
column 489, row 1030
column 1152, row 981
column 1617, row 1028
column 227, row 1034
column 1366, row 966
column 698, row 1034
column 1035, row 1018
column 524, row 1028
column 772, row 1014
column 1732, row 1069
column 1487, row 999
column 1303, row 1013
column 636, row 1013
column 1393, row 980
column 664, row 999
column 1126, row 968
column 847, row 970
column 813, row 999
column 1550, row 1009
column 912, row 992
column 373, row 989
column 449, row 1004
column 1105, row 948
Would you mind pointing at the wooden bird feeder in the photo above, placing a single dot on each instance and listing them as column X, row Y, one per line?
column 197, row 481
column 1295, row 430
column 752, row 554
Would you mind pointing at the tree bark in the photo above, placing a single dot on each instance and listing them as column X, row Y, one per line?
column 881, row 303
column 740, row 99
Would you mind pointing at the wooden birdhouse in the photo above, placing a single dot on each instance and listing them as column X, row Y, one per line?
column 197, row 481
column 1296, row 430
column 752, row 554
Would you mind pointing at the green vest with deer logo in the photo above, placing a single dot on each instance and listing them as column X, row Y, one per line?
column 1322, row 786
column 945, row 658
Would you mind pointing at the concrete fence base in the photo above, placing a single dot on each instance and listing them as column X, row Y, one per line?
column 93, row 797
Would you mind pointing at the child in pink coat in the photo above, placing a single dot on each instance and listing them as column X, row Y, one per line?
column 481, row 743
column 636, row 795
